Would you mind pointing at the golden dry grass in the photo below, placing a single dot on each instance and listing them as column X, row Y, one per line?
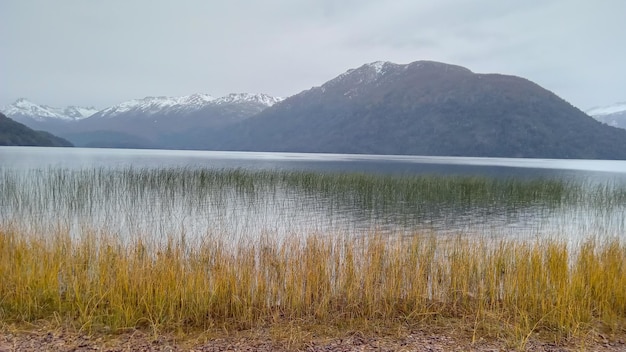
column 506, row 289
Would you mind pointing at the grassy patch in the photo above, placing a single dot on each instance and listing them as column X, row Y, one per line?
column 507, row 289
column 101, row 250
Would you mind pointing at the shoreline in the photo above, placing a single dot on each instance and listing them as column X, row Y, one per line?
column 261, row 339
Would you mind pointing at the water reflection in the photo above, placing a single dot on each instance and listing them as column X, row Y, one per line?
column 118, row 190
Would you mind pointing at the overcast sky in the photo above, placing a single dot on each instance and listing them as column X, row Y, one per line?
column 100, row 53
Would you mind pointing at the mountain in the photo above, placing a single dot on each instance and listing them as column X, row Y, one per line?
column 425, row 108
column 421, row 108
column 23, row 108
column 167, row 122
column 15, row 133
column 46, row 118
column 151, row 122
column 184, row 105
column 612, row 115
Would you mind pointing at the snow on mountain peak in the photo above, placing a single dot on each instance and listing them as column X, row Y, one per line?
column 152, row 105
column 24, row 107
column 378, row 66
column 607, row 110
column 196, row 99
column 234, row 98
column 79, row 112
column 367, row 73
column 182, row 104
column 143, row 106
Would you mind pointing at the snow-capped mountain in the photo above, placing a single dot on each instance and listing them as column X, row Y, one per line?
column 23, row 108
column 162, row 122
column 187, row 104
column 165, row 122
column 155, row 105
column 613, row 115
column 607, row 110
column 424, row 108
column 365, row 74
column 79, row 112
column 237, row 98
column 354, row 82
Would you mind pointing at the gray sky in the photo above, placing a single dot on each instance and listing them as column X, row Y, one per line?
column 99, row 53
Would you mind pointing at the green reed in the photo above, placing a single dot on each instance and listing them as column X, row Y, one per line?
column 87, row 190
column 154, row 200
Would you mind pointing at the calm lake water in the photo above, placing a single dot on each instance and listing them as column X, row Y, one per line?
column 30, row 200
column 22, row 158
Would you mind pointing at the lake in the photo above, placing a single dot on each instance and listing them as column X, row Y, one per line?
column 77, row 158
column 160, row 193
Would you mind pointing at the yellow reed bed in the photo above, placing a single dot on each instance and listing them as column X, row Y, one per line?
column 505, row 289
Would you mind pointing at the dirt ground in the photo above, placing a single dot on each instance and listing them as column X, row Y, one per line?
column 60, row 340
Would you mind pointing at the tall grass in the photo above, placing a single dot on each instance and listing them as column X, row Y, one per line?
column 162, row 249
column 86, row 190
column 161, row 201
column 506, row 289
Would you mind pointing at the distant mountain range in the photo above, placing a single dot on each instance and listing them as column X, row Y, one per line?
column 421, row 108
column 151, row 122
column 613, row 115
column 13, row 133
column 24, row 109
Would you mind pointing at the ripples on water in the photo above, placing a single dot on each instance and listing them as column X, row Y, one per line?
column 242, row 195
